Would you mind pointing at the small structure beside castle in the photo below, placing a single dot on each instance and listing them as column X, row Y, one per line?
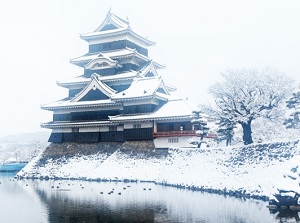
column 120, row 96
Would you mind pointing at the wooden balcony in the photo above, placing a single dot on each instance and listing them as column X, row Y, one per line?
column 181, row 133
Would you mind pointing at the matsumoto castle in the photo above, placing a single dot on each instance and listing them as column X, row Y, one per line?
column 120, row 96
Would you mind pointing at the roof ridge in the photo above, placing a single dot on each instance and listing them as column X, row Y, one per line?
column 121, row 19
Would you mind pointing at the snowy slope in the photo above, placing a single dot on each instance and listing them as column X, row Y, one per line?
column 255, row 170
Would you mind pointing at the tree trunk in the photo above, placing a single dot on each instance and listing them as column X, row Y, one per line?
column 247, row 133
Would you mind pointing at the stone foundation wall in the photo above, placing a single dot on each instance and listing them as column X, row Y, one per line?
column 68, row 149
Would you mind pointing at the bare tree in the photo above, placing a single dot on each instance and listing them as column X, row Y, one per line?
column 246, row 94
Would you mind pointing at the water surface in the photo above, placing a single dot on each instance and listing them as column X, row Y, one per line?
column 82, row 201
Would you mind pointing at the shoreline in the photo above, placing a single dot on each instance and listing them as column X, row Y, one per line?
column 254, row 171
column 236, row 194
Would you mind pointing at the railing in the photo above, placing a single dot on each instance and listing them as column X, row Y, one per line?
column 175, row 133
column 181, row 133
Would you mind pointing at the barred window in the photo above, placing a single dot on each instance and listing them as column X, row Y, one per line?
column 172, row 140
column 137, row 126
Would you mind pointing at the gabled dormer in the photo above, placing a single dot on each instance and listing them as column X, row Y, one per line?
column 101, row 63
column 162, row 88
column 112, row 22
column 143, row 88
column 148, row 70
column 95, row 90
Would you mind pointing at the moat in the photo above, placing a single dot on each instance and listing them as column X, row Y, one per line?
column 84, row 201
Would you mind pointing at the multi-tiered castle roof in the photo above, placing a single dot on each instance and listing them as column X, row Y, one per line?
column 120, row 96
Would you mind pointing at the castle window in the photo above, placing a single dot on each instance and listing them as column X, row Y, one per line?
column 112, row 128
column 75, row 130
column 171, row 127
column 172, row 140
column 137, row 126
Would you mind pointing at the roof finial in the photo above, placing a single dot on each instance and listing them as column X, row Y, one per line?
column 109, row 10
column 127, row 18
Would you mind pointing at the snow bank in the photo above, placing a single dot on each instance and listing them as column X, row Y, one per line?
column 252, row 171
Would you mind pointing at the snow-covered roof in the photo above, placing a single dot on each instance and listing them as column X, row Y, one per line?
column 85, row 58
column 112, row 54
column 113, row 26
column 112, row 19
column 79, row 80
column 148, row 69
column 171, row 88
column 83, row 80
column 127, row 52
column 94, row 84
column 118, row 77
column 68, row 104
column 53, row 125
column 172, row 109
column 143, row 88
column 11, row 160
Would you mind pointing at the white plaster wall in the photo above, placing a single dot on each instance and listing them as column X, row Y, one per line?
column 143, row 125
column 66, row 111
column 104, row 129
column 89, row 129
column 120, row 128
column 162, row 142
column 173, row 121
column 62, row 130
column 61, row 112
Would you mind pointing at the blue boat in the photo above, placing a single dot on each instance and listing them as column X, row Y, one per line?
column 12, row 165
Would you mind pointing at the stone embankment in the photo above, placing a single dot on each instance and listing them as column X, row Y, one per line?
column 68, row 150
column 248, row 171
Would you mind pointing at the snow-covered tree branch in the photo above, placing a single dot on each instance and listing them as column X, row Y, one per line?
column 293, row 104
column 246, row 94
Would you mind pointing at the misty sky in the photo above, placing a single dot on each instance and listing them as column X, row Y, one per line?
column 195, row 39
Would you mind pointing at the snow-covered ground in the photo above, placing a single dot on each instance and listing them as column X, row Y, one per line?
column 255, row 170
